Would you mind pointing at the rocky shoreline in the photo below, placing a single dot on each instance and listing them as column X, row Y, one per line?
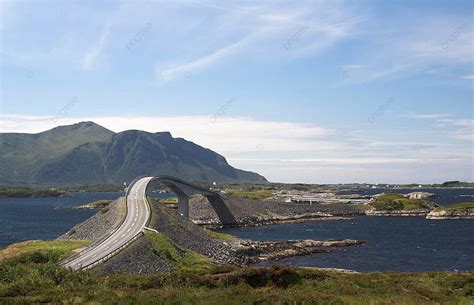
column 140, row 258
column 192, row 235
column 439, row 215
column 401, row 213
column 260, row 251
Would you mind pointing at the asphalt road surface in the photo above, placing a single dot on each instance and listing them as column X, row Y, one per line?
column 138, row 212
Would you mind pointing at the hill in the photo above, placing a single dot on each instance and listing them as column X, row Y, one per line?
column 87, row 153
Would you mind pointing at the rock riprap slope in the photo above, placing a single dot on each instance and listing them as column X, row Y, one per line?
column 100, row 224
column 255, row 212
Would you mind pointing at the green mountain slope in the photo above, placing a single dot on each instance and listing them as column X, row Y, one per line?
column 86, row 153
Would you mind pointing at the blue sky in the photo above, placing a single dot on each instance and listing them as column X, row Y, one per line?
column 300, row 91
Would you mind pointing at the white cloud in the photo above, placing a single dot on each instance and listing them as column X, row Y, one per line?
column 198, row 64
column 223, row 134
column 415, row 45
column 93, row 54
column 289, row 151
column 458, row 122
column 466, row 136
column 430, row 116
column 464, row 128
column 268, row 30
column 371, row 170
column 469, row 77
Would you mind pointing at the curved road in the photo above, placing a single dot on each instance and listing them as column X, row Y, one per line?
column 138, row 213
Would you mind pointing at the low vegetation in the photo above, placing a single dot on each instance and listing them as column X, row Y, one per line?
column 457, row 184
column 397, row 202
column 170, row 200
column 24, row 192
column 183, row 260
column 59, row 248
column 222, row 236
column 35, row 277
column 97, row 188
column 250, row 194
column 97, row 204
column 458, row 207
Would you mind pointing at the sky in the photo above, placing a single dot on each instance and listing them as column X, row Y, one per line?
column 298, row 91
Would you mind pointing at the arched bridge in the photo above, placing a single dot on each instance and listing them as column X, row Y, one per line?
column 182, row 189
column 138, row 214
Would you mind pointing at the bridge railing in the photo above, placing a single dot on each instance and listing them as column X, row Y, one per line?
column 105, row 236
column 171, row 178
column 102, row 239
column 99, row 241
column 132, row 183
column 113, row 253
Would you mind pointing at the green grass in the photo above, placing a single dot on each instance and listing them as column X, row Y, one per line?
column 98, row 204
column 250, row 194
column 457, row 207
column 183, row 260
column 37, row 278
column 61, row 248
column 171, row 200
column 104, row 210
column 397, row 202
column 222, row 236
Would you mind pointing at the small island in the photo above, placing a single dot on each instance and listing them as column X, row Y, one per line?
column 25, row 192
column 454, row 211
column 389, row 204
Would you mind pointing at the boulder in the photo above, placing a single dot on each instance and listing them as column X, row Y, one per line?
column 420, row 195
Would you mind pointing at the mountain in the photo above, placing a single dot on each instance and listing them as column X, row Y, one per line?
column 87, row 153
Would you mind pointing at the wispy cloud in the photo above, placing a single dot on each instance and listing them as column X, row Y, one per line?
column 458, row 122
column 464, row 128
column 200, row 63
column 264, row 30
column 432, row 40
column 430, row 116
column 469, row 77
column 93, row 54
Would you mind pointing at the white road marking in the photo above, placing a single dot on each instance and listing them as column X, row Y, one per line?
column 95, row 254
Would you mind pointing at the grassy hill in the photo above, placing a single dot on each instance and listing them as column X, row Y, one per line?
column 86, row 153
column 397, row 202
column 31, row 274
